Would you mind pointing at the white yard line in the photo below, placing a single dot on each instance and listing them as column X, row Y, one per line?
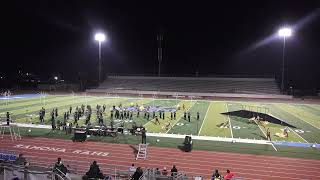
column 211, row 138
column 229, row 121
column 180, row 117
column 260, row 129
column 205, row 117
column 290, row 128
column 298, row 118
column 274, row 147
column 298, row 135
column 266, row 136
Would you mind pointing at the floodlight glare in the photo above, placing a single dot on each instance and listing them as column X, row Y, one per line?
column 284, row 32
column 100, row 37
column 55, row 78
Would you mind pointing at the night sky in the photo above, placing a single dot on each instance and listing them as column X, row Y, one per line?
column 56, row 38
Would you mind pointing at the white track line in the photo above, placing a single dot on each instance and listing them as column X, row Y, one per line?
column 229, row 121
column 298, row 135
column 205, row 117
column 180, row 118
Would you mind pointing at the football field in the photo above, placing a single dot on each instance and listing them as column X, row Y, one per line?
column 216, row 118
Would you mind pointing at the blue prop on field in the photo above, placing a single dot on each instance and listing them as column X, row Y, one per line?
column 152, row 109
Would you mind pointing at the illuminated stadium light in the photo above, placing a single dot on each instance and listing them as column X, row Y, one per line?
column 100, row 37
column 285, row 32
column 56, row 78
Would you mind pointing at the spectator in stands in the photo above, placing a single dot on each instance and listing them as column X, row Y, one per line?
column 164, row 171
column 137, row 174
column 158, row 172
column 216, row 175
column 21, row 160
column 229, row 175
column 59, row 167
column 132, row 170
column 174, row 171
column 94, row 171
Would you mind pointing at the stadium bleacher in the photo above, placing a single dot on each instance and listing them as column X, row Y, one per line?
column 191, row 84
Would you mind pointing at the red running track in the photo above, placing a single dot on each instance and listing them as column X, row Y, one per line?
column 194, row 163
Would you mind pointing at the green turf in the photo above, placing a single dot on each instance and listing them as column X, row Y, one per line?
column 311, row 134
column 276, row 130
column 303, row 116
column 213, row 119
column 21, row 100
column 241, row 127
column 34, row 102
column 307, row 116
column 62, row 107
column 312, row 109
column 192, row 127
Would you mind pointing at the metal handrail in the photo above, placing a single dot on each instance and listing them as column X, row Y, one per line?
column 60, row 173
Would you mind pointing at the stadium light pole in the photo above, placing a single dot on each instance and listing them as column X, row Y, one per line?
column 100, row 37
column 284, row 33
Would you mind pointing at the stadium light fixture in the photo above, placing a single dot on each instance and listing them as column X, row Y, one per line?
column 100, row 37
column 284, row 33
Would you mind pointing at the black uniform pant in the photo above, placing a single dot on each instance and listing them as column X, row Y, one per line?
column 144, row 139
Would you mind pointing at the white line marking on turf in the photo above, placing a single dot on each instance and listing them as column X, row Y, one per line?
column 298, row 135
column 260, row 129
column 204, row 119
column 229, row 121
column 299, row 118
column 180, row 118
column 274, row 147
column 290, row 128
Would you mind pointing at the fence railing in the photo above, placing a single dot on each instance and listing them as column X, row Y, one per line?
column 10, row 171
column 115, row 171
